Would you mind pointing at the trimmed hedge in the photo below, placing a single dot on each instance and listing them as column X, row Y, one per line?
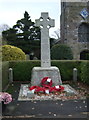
column 22, row 69
column 66, row 68
column 5, row 80
column 85, row 72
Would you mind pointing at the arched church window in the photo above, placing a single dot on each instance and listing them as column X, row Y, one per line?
column 83, row 32
column 84, row 55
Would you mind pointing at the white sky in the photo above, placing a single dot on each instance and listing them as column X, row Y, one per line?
column 13, row 10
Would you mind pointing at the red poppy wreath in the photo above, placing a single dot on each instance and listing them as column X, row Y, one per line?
column 46, row 82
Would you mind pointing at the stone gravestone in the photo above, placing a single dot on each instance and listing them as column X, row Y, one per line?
column 46, row 70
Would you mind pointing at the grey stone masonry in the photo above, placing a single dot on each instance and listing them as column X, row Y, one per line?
column 45, row 22
column 38, row 73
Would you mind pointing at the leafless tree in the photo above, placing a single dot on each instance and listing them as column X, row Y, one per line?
column 3, row 27
column 56, row 35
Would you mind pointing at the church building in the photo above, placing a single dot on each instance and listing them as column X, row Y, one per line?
column 75, row 28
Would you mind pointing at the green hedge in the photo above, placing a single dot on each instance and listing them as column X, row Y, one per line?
column 22, row 69
column 85, row 72
column 66, row 68
column 5, row 80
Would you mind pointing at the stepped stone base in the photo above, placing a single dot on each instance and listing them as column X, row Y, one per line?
column 38, row 73
column 25, row 94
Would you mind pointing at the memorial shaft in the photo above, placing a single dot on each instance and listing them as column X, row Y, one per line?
column 45, row 23
column 45, row 48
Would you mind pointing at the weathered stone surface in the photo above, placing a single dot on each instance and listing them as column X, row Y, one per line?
column 38, row 73
column 69, row 91
column 45, row 23
column 30, row 94
column 70, row 23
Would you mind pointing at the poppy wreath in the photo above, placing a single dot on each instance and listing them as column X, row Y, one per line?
column 46, row 82
column 58, row 88
column 37, row 88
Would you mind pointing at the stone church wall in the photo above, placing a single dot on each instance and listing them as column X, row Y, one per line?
column 70, row 22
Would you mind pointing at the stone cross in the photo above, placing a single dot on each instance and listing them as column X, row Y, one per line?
column 46, row 70
column 45, row 22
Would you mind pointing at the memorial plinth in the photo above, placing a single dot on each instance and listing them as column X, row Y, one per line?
column 38, row 73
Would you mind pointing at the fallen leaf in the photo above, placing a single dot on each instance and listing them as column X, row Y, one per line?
column 56, row 103
column 55, row 115
column 49, row 112
column 17, row 104
column 35, row 102
column 61, row 104
column 80, row 107
column 84, row 101
column 33, row 108
column 70, row 115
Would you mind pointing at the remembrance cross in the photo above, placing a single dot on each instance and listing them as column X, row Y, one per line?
column 46, row 70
